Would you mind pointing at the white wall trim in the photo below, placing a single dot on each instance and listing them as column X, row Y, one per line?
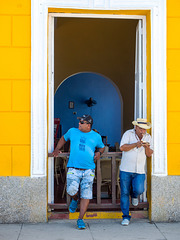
column 39, row 35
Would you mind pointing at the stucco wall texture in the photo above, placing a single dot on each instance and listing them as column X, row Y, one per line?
column 23, row 199
column 165, row 199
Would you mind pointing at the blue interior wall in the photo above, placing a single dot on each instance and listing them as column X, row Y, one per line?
column 106, row 113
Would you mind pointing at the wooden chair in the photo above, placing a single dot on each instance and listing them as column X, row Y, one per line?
column 117, row 147
column 104, row 140
column 60, row 164
column 106, row 174
column 56, row 130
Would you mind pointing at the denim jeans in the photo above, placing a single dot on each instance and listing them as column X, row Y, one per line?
column 84, row 179
column 131, row 184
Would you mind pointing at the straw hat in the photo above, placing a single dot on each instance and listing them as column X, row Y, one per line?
column 142, row 123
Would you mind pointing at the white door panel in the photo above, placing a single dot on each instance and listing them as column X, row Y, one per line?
column 140, row 73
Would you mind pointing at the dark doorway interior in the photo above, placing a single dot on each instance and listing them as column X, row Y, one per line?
column 104, row 46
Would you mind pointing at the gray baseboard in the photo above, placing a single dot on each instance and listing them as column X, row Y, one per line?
column 23, row 199
column 165, row 195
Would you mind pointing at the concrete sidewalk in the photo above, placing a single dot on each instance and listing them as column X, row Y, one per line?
column 96, row 230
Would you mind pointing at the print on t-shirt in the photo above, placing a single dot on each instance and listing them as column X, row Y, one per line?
column 82, row 144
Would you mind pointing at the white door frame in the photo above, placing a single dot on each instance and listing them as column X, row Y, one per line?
column 51, row 78
column 39, row 94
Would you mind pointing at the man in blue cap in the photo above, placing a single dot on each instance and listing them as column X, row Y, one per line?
column 81, row 166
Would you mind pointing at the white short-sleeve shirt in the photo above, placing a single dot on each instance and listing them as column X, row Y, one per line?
column 134, row 160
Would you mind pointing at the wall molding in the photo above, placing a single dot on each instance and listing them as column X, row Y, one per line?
column 39, row 41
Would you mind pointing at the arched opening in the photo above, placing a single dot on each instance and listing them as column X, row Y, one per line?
column 106, row 107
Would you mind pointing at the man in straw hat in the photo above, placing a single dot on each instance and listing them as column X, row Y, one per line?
column 136, row 145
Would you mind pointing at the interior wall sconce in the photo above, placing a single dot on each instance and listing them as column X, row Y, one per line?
column 71, row 104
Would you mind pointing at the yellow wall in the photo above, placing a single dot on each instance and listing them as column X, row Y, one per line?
column 15, row 87
column 173, row 86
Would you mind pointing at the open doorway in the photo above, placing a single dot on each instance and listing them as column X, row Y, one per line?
column 114, row 48
column 95, row 95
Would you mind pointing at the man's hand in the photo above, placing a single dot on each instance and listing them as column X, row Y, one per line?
column 138, row 144
column 56, row 152
column 145, row 144
column 97, row 156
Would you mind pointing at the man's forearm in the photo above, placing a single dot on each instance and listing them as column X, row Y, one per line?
column 60, row 143
column 128, row 147
column 97, row 154
column 101, row 150
column 148, row 152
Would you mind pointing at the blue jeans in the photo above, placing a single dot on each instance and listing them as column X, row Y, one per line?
column 131, row 184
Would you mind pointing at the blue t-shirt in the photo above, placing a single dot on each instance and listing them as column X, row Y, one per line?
column 82, row 148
